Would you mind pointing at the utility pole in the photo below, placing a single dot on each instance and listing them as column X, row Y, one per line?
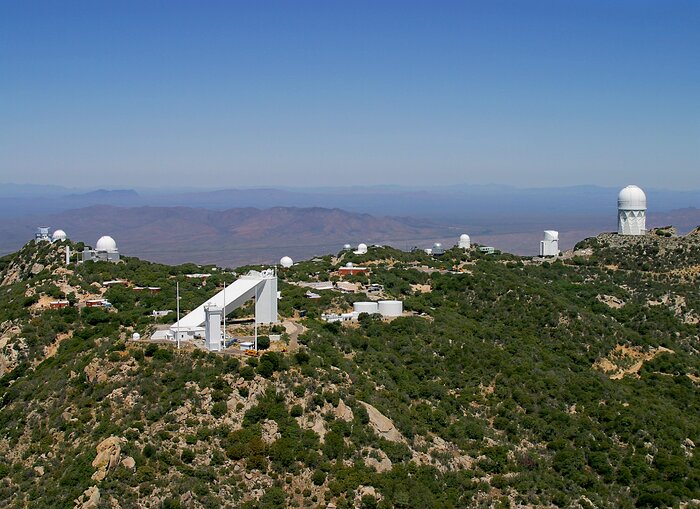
column 177, row 287
column 223, row 347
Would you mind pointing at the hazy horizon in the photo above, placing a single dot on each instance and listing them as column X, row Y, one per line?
column 219, row 95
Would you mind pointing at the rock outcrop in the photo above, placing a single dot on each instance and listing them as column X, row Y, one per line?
column 382, row 425
column 89, row 499
column 108, row 452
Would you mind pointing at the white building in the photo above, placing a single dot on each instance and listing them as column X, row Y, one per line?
column 550, row 245
column 464, row 241
column 361, row 249
column 42, row 234
column 105, row 250
column 58, row 236
column 261, row 286
column 212, row 327
column 631, row 211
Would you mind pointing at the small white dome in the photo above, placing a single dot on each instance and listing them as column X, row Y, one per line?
column 347, row 246
column 106, row 243
column 59, row 235
column 361, row 249
column 632, row 198
column 551, row 235
column 348, row 265
column 136, row 336
column 437, row 245
column 464, row 237
column 286, row 262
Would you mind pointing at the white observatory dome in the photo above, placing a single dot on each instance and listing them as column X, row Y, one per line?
column 348, row 265
column 286, row 262
column 551, row 235
column 106, row 243
column 59, row 235
column 632, row 198
column 437, row 245
column 464, row 241
column 361, row 248
column 464, row 237
column 347, row 246
column 631, row 211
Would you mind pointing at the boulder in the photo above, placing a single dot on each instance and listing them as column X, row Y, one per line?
column 89, row 499
column 343, row 412
column 108, row 452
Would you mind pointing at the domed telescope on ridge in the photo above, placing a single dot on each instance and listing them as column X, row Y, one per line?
column 464, row 241
column 361, row 249
column 105, row 250
column 286, row 262
column 58, row 236
column 631, row 211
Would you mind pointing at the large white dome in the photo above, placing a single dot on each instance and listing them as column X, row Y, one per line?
column 59, row 235
column 464, row 237
column 106, row 243
column 286, row 262
column 551, row 235
column 631, row 198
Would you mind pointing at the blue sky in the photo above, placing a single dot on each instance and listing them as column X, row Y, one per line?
column 298, row 93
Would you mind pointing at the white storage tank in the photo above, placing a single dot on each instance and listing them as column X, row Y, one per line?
column 390, row 307
column 365, row 307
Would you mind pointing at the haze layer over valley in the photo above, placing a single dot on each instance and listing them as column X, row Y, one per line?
column 237, row 226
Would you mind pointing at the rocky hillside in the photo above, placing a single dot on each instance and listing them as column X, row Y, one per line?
column 508, row 382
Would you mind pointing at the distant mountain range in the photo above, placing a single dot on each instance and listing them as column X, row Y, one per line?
column 253, row 235
column 232, row 226
column 229, row 237
column 490, row 207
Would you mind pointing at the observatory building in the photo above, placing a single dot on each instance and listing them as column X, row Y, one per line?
column 212, row 327
column 105, row 250
column 58, row 236
column 437, row 249
column 631, row 211
column 464, row 241
column 361, row 249
column 261, row 286
column 42, row 234
column 550, row 245
column 286, row 262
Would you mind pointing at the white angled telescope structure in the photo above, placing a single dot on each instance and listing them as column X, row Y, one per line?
column 261, row 286
column 550, row 245
column 631, row 211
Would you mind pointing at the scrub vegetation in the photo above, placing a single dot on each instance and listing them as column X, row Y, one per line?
column 507, row 382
